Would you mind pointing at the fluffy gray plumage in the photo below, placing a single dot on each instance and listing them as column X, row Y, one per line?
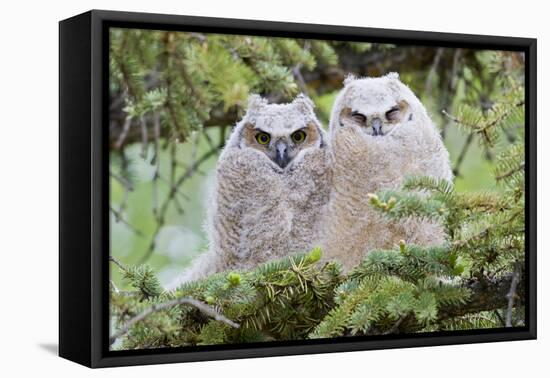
column 380, row 133
column 271, row 192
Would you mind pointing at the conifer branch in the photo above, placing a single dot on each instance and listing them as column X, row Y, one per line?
column 459, row 121
column 322, row 79
column 511, row 172
column 501, row 116
column 118, row 264
column 395, row 327
column 487, row 294
column 203, row 307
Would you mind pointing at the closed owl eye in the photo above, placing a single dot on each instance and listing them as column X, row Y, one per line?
column 358, row 117
column 392, row 114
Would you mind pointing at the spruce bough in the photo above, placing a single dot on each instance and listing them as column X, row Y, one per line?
column 464, row 284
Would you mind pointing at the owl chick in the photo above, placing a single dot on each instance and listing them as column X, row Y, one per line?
column 271, row 188
column 380, row 133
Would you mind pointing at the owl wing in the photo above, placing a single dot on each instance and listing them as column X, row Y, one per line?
column 308, row 184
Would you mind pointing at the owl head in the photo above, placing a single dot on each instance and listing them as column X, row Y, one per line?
column 280, row 132
column 377, row 106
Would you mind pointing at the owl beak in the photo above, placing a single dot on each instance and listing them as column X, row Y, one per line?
column 377, row 127
column 281, row 158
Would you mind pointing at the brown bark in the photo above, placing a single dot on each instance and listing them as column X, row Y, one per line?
column 487, row 294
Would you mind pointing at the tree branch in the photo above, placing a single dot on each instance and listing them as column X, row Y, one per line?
column 123, row 181
column 462, row 155
column 323, row 79
column 172, row 194
column 512, row 295
column 487, row 294
column 120, row 218
column 511, row 171
column 117, row 263
column 203, row 307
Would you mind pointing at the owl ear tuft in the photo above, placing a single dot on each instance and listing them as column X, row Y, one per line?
column 394, row 83
column 392, row 76
column 304, row 103
column 349, row 78
column 255, row 102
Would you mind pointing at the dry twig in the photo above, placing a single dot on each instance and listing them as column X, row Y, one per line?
column 511, row 296
column 203, row 307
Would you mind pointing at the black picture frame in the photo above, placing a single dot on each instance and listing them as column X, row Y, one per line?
column 84, row 192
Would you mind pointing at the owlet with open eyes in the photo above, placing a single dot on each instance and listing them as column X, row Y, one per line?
column 271, row 191
column 380, row 133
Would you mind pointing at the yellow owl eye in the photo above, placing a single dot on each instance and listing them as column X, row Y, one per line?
column 263, row 138
column 298, row 136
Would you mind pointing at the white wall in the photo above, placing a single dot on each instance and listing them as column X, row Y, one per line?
column 28, row 185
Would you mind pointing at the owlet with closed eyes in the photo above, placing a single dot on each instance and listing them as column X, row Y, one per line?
column 271, row 188
column 380, row 133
